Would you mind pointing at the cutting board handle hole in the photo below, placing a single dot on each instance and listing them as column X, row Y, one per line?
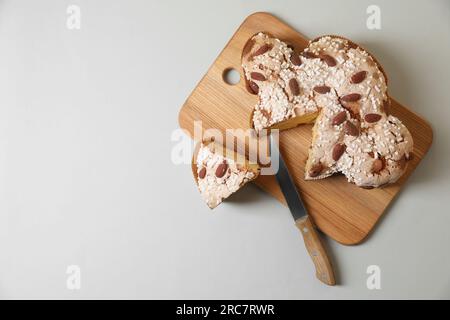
column 231, row 76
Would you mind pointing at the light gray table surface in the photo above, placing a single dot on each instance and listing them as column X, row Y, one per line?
column 87, row 178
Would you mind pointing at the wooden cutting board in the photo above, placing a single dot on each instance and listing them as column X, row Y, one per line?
column 341, row 210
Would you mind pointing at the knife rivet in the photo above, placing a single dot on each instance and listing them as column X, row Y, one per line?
column 314, row 253
column 305, row 230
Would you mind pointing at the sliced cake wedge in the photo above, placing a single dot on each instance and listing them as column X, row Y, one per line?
column 220, row 172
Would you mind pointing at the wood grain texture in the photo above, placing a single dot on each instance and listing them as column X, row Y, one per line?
column 316, row 250
column 341, row 210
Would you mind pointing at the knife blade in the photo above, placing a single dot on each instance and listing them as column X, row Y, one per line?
column 313, row 244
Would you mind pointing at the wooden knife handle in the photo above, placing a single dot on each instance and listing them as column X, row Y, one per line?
column 324, row 270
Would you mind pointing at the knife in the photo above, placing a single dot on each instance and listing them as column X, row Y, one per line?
column 324, row 270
